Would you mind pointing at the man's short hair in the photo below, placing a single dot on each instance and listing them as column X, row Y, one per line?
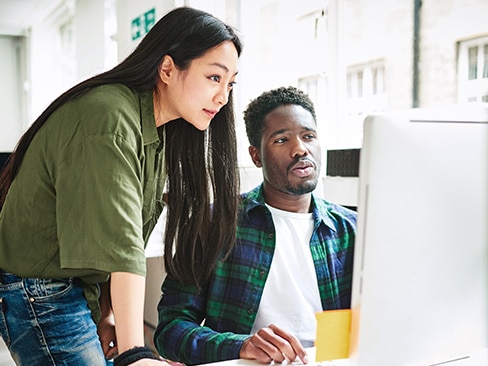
column 259, row 108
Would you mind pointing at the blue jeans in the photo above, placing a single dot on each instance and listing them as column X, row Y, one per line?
column 48, row 322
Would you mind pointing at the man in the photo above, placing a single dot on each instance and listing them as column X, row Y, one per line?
column 293, row 256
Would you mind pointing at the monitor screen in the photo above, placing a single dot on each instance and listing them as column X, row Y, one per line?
column 420, row 286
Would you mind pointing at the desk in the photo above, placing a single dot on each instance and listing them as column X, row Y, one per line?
column 478, row 357
column 311, row 357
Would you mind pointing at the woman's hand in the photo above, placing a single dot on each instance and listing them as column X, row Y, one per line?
column 106, row 327
column 127, row 302
column 106, row 333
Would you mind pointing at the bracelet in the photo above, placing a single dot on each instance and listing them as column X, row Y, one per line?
column 133, row 355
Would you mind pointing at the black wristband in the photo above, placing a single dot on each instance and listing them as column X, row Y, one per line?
column 133, row 355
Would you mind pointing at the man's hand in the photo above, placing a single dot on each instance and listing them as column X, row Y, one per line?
column 273, row 344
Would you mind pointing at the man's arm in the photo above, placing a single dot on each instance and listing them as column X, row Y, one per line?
column 180, row 335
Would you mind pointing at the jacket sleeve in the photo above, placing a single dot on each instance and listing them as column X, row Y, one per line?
column 181, row 334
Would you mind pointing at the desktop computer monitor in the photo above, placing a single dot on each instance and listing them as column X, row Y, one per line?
column 420, row 282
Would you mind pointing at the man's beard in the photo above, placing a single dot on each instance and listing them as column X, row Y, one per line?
column 303, row 188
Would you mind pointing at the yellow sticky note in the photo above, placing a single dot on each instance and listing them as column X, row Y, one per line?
column 333, row 329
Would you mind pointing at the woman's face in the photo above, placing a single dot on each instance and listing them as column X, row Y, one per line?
column 197, row 93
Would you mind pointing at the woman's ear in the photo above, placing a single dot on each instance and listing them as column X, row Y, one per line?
column 166, row 68
column 255, row 156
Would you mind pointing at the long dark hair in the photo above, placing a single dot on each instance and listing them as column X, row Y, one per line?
column 201, row 165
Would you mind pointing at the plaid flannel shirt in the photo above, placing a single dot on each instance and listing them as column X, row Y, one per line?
column 211, row 325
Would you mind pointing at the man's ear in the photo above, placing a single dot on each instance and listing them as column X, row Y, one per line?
column 166, row 68
column 255, row 156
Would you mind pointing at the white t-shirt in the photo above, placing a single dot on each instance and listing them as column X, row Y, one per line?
column 291, row 294
column 155, row 243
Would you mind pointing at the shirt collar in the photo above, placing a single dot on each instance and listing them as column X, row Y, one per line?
column 149, row 130
column 321, row 214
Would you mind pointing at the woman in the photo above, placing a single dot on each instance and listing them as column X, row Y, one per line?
column 84, row 187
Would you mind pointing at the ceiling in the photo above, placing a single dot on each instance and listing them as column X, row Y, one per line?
column 18, row 15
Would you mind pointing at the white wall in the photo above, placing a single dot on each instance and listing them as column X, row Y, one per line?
column 89, row 30
column 52, row 62
column 444, row 24
column 11, row 92
column 127, row 10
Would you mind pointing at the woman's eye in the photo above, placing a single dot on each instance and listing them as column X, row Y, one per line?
column 232, row 84
column 215, row 78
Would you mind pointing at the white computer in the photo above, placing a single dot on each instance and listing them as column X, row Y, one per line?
column 420, row 286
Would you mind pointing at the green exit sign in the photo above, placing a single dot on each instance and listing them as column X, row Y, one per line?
column 142, row 24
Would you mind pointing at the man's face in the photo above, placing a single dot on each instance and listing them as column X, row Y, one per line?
column 290, row 153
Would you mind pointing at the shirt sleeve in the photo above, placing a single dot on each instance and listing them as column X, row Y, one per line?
column 332, row 249
column 180, row 335
column 99, row 218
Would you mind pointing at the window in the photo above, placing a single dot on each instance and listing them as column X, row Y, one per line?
column 473, row 70
column 316, row 88
column 365, row 81
column 365, row 91
column 66, row 49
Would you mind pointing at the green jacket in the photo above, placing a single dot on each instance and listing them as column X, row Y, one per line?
column 86, row 195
